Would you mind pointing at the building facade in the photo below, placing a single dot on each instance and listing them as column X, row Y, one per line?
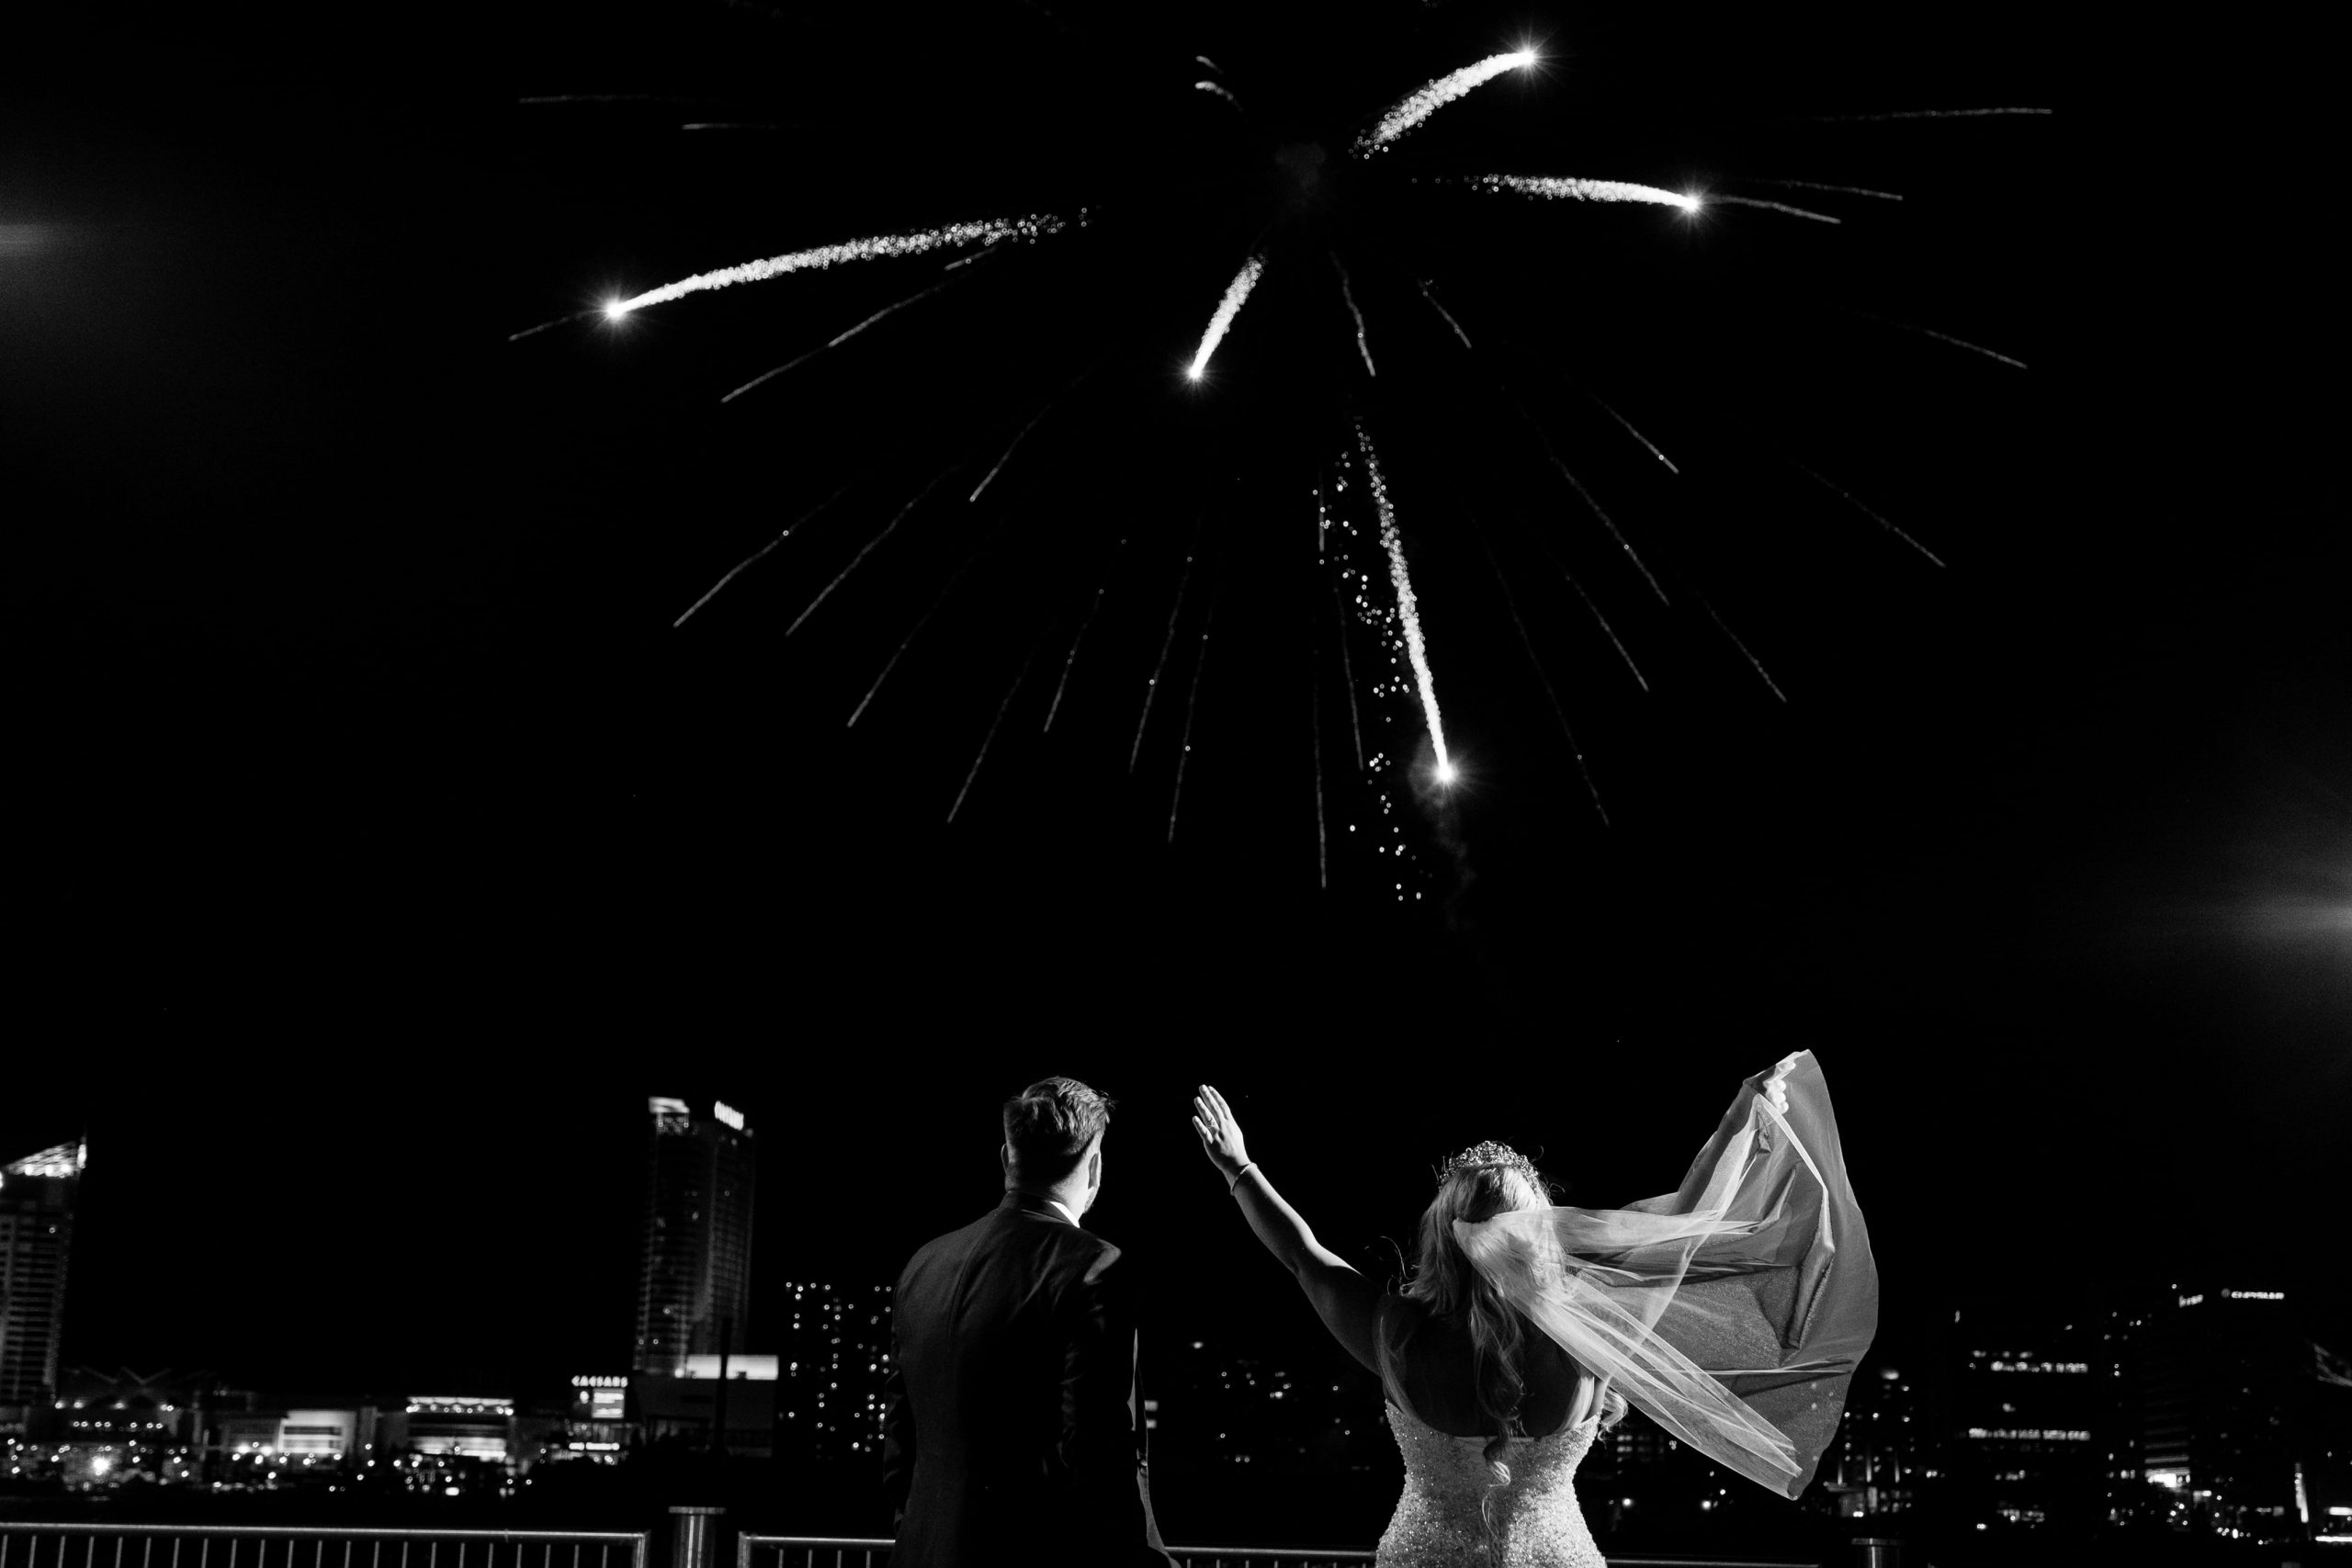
column 36, row 1195
column 2243, row 1432
column 694, row 1281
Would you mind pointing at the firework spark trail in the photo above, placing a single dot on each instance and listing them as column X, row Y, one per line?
column 1558, row 189
column 836, row 341
column 1816, row 184
column 1315, row 731
column 1347, row 292
column 1774, row 206
column 559, row 321
column 1347, row 673
column 1614, row 639
column 1913, row 113
column 915, row 631
column 880, row 247
column 1408, row 609
column 612, row 98
column 726, row 125
column 1636, row 434
column 1151, row 689
column 1192, row 703
column 1448, row 316
column 994, row 725
column 1226, row 308
column 871, row 546
column 737, row 569
column 1846, row 496
column 1942, row 337
column 1430, row 97
column 1051, row 403
column 1093, row 610
column 1221, row 91
column 1512, row 603
column 1724, row 626
column 1607, row 522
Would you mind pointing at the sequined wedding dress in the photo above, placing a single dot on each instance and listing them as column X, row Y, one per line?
column 1537, row 1520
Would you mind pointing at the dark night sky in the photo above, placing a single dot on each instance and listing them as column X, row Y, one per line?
column 384, row 847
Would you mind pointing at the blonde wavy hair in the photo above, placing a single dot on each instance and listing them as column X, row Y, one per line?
column 1476, row 1185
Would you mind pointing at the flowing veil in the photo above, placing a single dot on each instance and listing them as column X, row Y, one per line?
column 1731, row 1312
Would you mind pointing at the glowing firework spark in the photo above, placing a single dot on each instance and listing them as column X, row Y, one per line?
column 984, row 232
column 1409, row 611
column 1347, row 292
column 1426, row 100
column 1778, row 206
column 1553, row 188
column 1226, row 308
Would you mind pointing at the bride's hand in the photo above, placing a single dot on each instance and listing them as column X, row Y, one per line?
column 1220, row 1133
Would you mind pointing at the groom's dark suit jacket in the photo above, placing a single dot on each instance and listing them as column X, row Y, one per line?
column 1010, row 1434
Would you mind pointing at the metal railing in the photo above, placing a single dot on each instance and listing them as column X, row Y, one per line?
column 874, row 1551
column 30, row 1545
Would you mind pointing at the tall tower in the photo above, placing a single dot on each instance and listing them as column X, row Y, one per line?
column 693, row 1293
column 36, row 1230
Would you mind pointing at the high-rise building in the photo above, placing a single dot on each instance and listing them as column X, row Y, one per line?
column 2237, row 1418
column 2033, row 1417
column 694, row 1291
column 36, row 1234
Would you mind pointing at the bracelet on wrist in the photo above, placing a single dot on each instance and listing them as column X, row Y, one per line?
column 1234, row 1185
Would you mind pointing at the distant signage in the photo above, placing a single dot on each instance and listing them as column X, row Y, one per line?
column 758, row 1368
column 588, row 1379
column 728, row 1114
column 2254, row 1295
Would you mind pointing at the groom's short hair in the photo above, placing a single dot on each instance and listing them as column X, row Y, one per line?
column 1049, row 1125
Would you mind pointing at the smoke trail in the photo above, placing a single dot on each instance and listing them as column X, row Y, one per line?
column 1226, row 308
column 987, row 231
column 1408, row 609
column 1560, row 188
column 1431, row 96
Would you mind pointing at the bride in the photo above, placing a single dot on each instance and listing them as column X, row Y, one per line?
column 1732, row 1312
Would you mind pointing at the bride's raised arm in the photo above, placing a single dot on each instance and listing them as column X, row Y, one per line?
column 1344, row 1299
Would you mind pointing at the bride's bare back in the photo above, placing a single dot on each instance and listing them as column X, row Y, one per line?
column 1437, row 1375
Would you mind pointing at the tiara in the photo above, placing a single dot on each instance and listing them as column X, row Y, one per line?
column 1490, row 1155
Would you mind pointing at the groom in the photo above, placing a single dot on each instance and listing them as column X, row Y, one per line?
column 1010, row 1434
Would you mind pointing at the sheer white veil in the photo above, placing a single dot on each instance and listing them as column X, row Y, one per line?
column 1732, row 1312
